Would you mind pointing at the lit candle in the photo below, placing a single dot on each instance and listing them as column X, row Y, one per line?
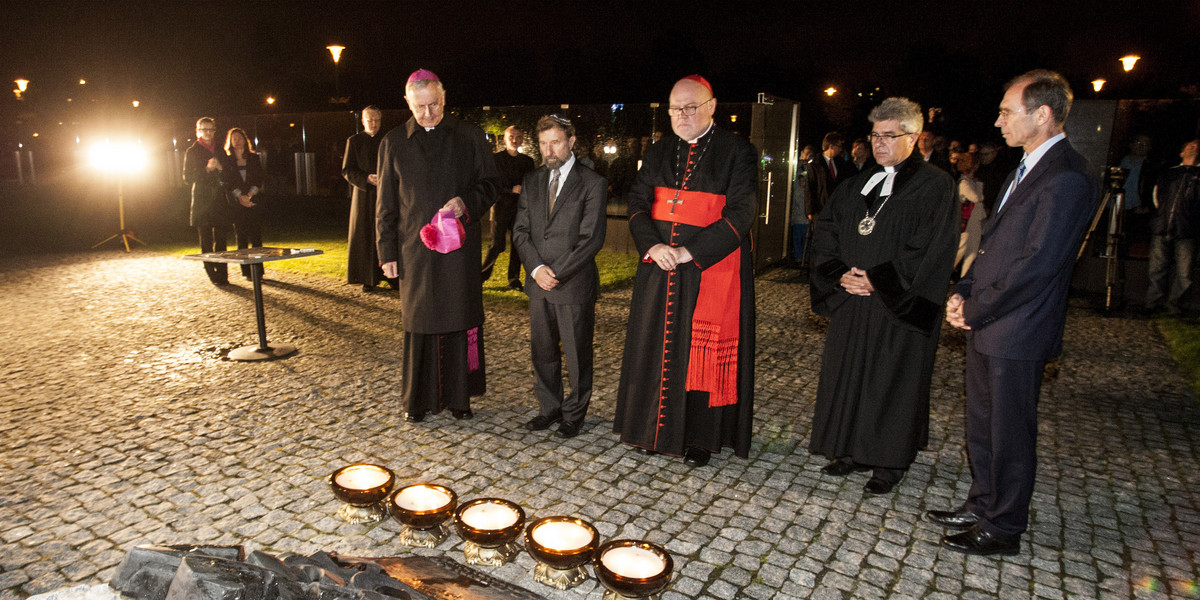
column 633, row 562
column 489, row 515
column 562, row 536
column 361, row 477
column 420, row 498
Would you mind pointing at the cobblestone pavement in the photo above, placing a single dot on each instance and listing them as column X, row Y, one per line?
column 121, row 424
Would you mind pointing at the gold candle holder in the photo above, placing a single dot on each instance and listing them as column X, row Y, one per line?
column 632, row 569
column 490, row 527
column 423, row 509
column 561, row 546
column 362, row 489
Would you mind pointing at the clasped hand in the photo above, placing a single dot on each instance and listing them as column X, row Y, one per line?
column 668, row 258
column 855, row 281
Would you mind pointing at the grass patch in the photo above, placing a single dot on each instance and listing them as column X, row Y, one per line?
column 1183, row 340
column 616, row 270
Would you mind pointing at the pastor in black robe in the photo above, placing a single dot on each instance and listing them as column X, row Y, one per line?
column 655, row 410
column 441, row 294
column 873, row 395
column 362, row 154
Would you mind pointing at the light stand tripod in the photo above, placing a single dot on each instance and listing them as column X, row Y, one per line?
column 1113, row 205
column 124, row 234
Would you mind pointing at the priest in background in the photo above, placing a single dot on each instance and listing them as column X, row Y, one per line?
column 436, row 162
column 687, row 376
column 358, row 168
column 882, row 251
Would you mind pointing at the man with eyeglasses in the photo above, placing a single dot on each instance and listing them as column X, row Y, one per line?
column 436, row 162
column 687, row 376
column 210, row 210
column 1013, row 305
column 559, row 228
column 358, row 168
column 882, row 251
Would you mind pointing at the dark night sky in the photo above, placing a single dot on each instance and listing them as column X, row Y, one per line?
column 184, row 57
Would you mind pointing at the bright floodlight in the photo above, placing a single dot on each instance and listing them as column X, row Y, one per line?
column 121, row 157
column 22, row 84
column 1127, row 62
column 829, row 91
column 1098, row 84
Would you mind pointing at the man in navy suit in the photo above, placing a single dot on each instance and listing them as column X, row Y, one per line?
column 558, row 231
column 1013, row 303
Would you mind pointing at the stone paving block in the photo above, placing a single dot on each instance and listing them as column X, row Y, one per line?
column 161, row 466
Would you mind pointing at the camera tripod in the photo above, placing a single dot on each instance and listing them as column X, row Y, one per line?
column 1112, row 208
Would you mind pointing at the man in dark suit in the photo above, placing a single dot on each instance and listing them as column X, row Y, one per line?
column 558, row 231
column 860, row 155
column 1013, row 303
column 512, row 165
column 933, row 155
column 825, row 172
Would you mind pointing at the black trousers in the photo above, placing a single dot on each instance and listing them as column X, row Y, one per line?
column 1002, row 399
column 572, row 327
column 212, row 239
column 247, row 232
column 504, row 213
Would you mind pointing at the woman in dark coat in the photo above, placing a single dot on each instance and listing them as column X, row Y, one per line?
column 243, row 180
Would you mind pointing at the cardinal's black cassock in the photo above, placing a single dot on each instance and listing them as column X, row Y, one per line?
column 687, row 376
column 873, row 396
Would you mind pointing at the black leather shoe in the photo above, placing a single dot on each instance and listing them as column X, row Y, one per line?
column 644, row 451
column 462, row 414
column 877, row 486
column 960, row 518
column 696, row 457
column 977, row 542
column 414, row 417
column 541, row 422
column 843, row 467
column 368, row 288
column 569, row 429
column 516, row 285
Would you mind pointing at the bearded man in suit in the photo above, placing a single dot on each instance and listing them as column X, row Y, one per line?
column 559, row 229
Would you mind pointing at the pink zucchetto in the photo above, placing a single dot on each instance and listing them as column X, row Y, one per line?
column 422, row 75
column 700, row 80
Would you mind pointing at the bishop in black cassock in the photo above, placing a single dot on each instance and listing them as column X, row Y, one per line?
column 882, row 251
column 687, row 376
column 435, row 162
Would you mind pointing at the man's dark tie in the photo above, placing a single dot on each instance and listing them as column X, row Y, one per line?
column 553, row 189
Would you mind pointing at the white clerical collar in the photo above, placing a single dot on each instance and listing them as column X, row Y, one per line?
column 710, row 126
column 887, row 176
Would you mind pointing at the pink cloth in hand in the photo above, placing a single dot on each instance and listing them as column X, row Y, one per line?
column 444, row 233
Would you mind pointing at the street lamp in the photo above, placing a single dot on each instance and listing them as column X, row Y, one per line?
column 336, row 51
column 22, row 85
column 1098, row 84
column 829, row 91
column 1128, row 61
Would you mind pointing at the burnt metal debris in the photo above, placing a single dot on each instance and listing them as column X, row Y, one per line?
column 188, row 572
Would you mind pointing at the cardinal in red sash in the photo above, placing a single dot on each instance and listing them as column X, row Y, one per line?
column 687, row 377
